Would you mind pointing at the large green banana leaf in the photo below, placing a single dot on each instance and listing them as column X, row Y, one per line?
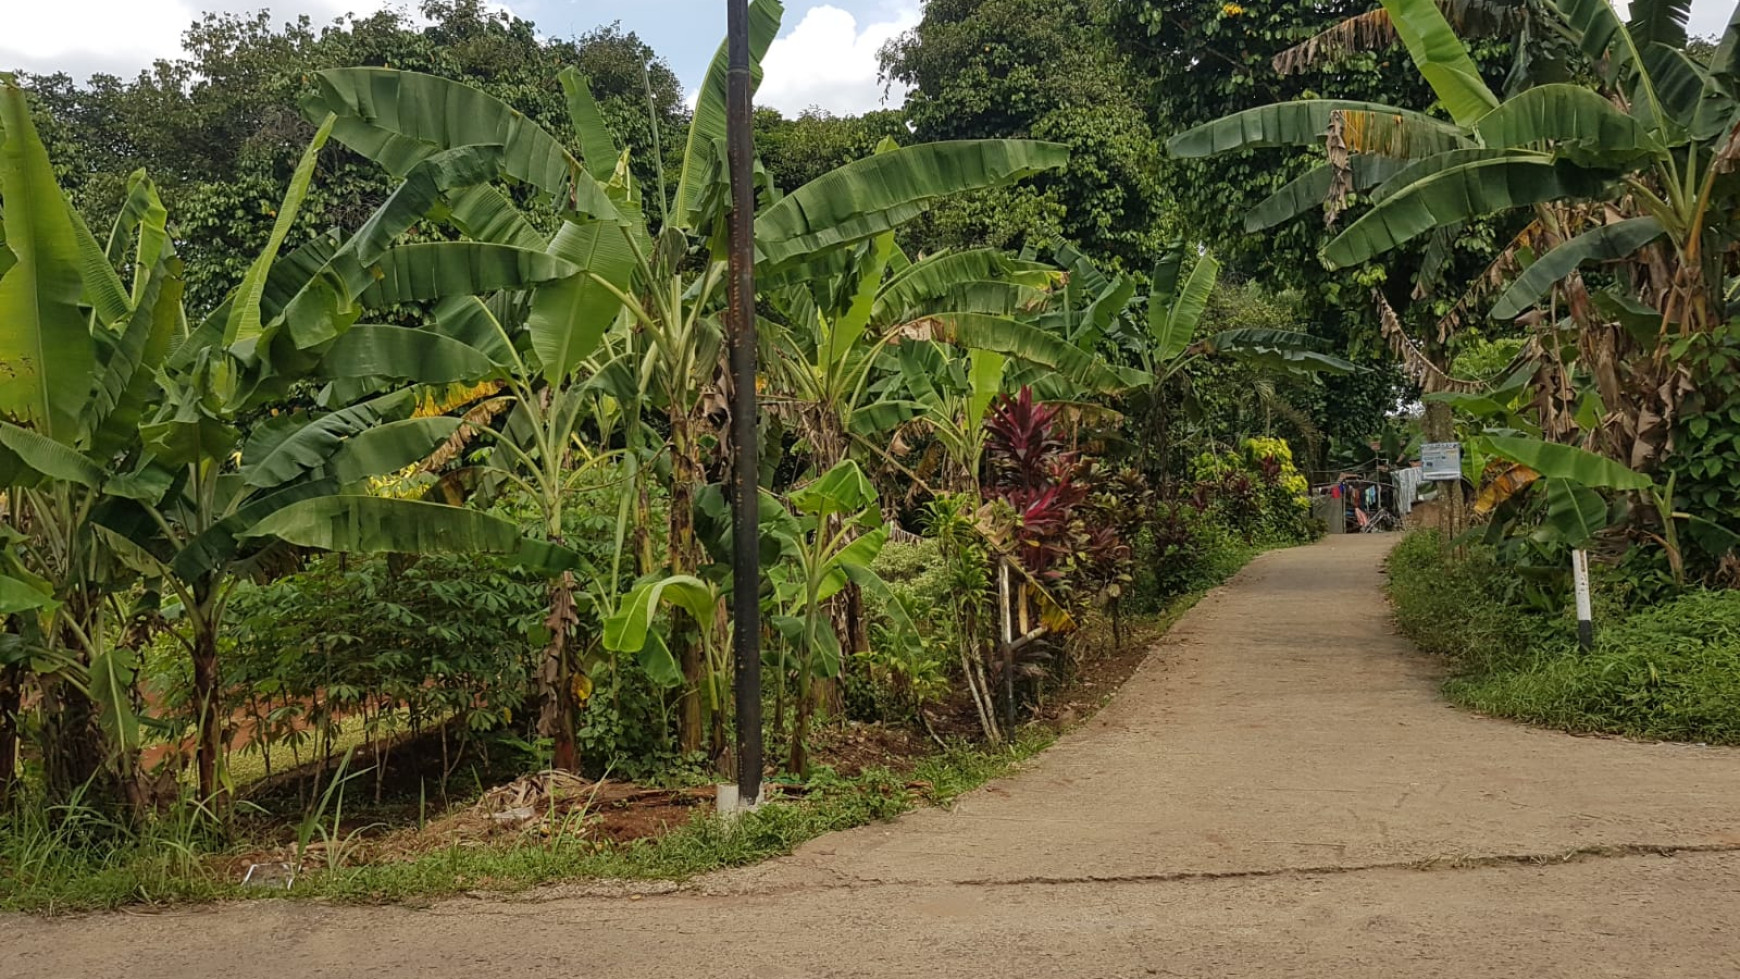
column 439, row 269
column 128, row 379
column 463, row 166
column 46, row 352
column 1304, row 123
column 215, row 546
column 597, row 147
column 400, row 118
column 1083, row 273
column 389, row 448
column 1579, row 124
column 1277, row 350
column 1606, row 243
column 102, row 291
column 375, row 525
column 935, row 276
column 1172, row 324
column 1012, row 338
column 1420, row 169
column 628, row 629
column 289, row 446
column 1725, row 62
column 569, row 317
column 1458, row 194
column 474, row 322
column 21, row 596
column 404, row 353
column 1575, row 513
column 245, row 318
column 1685, row 91
column 707, row 127
column 43, row 456
column 143, row 213
column 484, row 213
column 1310, row 190
column 1659, row 21
column 1567, row 462
column 1442, row 59
column 878, row 193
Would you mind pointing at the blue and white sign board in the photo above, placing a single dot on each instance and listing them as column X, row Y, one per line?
column 1441, row 461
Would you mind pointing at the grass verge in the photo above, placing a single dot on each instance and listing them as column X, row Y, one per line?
column 1666, row 673
column 73, row 859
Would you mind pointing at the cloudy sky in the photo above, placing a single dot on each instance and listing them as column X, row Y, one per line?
column 825, row 55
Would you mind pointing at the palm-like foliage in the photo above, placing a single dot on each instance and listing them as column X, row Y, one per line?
column 1632, row 167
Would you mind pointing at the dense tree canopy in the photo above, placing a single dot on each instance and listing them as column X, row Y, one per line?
column 1045, row 70
column 220, row 132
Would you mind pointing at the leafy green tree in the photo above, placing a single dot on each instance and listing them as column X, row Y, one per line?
column 220, row 133
column 798, row 150
column 1036, row 70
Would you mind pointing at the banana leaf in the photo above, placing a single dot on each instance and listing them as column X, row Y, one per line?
column 597, row 147
column 878, row 193
column 404, row 353
column 1173, row 325
column 1609, row 242
column 1458, row 194
column 1304, row 123
column 1577, row 123
column 437, row 270
column 377, row 525
column 1310, row 190
column 1569, row 463
column 46, row 352
column 707, row 126
column 569, row 317
column 1575, row 513
column 1442, row 59
column 389, row 447
column 244, row 317
column 401, row 118
column 977, row 331
column 43, row 456
column 289, row 446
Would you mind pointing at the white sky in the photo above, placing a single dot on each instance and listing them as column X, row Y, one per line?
column 825, row 55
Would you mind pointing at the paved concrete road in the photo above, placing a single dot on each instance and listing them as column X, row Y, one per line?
column 1280, row 791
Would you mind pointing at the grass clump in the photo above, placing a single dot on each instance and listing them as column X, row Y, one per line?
column 74, row 859
column 1668, row 672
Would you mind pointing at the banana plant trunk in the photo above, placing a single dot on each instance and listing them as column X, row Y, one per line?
column 555, row 679
column 74, row 751
column 208, row 724
column 685, row 475
column 11, row 699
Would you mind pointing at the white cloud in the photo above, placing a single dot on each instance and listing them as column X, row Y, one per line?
column 828, row 61
column 123, row 36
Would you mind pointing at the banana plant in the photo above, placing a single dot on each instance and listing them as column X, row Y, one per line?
column 837, row 533
column 653, row 264
column 1576, row 511
column 161, row 471
column 79, row 350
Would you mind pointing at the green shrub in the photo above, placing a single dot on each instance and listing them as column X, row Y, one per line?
column 1669, row 672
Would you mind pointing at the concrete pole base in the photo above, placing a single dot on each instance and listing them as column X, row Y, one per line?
column 729, row 804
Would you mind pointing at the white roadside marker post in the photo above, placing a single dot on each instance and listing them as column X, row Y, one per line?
column 1580, row 577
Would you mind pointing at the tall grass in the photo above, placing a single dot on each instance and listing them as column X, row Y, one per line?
column 1669, row 672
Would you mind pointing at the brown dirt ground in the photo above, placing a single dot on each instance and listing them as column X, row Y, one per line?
column 1278, row 791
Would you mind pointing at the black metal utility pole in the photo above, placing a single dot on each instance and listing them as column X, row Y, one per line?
column 745, row 465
